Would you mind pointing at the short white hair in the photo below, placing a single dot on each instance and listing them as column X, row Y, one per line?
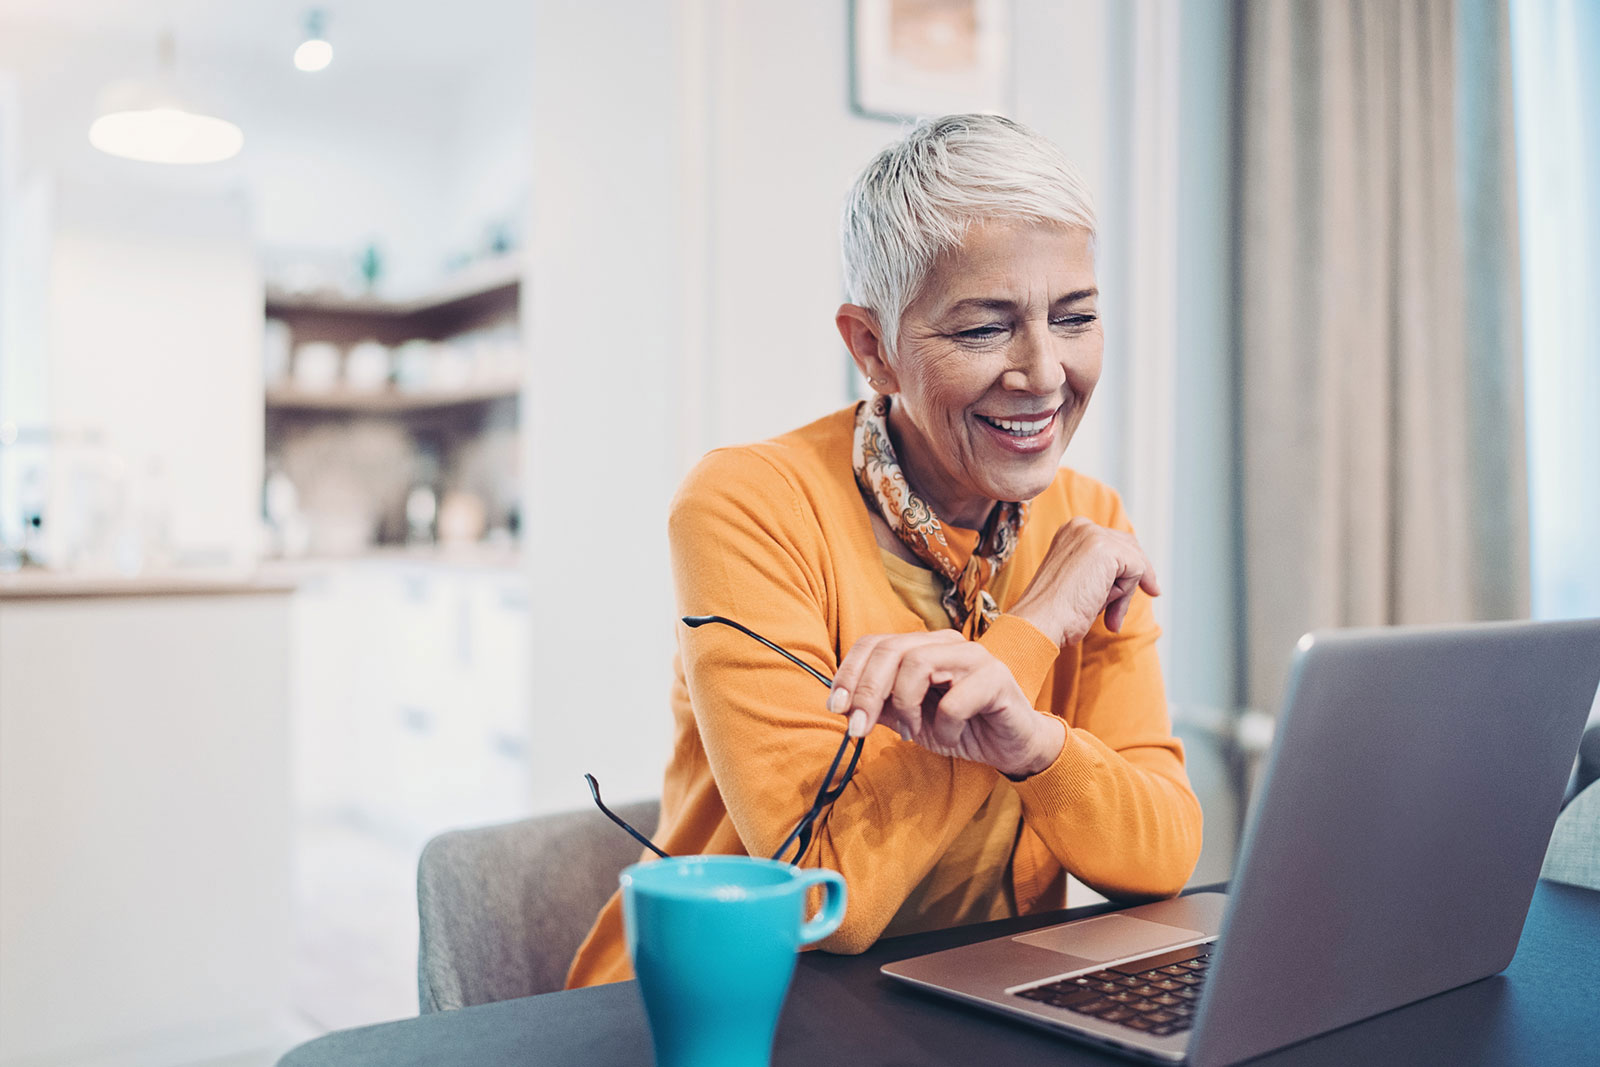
column 919, row 196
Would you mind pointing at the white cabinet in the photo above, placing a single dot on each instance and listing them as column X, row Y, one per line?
column 413, row 702
column 144, row 825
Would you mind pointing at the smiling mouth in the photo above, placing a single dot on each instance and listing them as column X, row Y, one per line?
column 1023, row 428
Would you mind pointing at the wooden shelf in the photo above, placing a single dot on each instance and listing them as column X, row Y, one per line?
column 387, row 401
column 489, row 278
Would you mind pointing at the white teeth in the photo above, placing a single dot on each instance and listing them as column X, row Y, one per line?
column 1020, row 429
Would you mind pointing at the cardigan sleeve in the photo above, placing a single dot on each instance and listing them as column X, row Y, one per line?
column 747, row 546
column 1116, row 808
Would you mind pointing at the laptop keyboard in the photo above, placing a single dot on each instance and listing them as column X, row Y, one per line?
column 1156, row 995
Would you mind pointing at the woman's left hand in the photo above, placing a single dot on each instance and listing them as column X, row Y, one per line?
column 949, row 695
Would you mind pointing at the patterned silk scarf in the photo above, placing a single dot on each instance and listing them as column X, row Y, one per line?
column 966, row 560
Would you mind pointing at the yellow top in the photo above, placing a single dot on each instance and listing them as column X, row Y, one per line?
column 776, row 536
column 971, row 882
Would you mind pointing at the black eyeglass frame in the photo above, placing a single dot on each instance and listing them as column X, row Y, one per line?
column 826, row 792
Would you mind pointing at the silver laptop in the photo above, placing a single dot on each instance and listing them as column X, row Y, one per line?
column 1392, row 854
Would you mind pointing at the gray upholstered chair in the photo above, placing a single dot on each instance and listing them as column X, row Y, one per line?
column 1574, row 855
column 1587, row 769
column 504, row 908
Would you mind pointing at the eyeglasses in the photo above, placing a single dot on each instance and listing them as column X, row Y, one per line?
column 827, row 793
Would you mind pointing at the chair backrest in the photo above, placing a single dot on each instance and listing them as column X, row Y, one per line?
column 502, row 909
column 1574, row 855
column 1588, row 769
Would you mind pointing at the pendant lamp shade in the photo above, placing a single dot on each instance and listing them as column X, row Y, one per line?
column 150, row 122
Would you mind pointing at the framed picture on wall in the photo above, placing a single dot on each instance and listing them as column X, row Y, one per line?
column 914, row 58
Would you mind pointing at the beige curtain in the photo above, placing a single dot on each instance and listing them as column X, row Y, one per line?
column 1380, row 390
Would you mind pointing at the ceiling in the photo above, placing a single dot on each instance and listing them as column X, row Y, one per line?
column 419, row 34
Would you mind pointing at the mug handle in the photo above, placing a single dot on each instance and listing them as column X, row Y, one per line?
column 833, row 901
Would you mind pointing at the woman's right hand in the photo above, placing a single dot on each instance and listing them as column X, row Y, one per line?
column 1088, row 569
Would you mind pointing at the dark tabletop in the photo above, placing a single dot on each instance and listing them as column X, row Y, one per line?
column 1542, row 1010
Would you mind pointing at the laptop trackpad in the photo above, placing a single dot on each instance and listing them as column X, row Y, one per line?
column 1109, row 937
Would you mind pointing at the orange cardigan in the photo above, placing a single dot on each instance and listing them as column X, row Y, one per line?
column 776, row 536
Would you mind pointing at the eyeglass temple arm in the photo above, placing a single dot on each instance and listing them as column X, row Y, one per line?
column 803, row 828
column 594, row 789
column 695, row 621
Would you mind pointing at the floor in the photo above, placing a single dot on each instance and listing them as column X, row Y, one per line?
column 356, row 918
column 355, row 924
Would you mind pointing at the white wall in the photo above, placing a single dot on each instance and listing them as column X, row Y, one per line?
column 487, row 151
column 153, row 327
column 24, row 385
column 333, row 165
column 780, row 149
column 605, row 319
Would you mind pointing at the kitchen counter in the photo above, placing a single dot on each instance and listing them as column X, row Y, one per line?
column 475, row 557
column 57, row 585
column 269, row 576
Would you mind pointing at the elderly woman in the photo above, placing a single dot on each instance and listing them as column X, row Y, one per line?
column 984, row 611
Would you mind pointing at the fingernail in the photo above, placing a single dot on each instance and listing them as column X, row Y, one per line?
column 838, row 700
column 858, row 724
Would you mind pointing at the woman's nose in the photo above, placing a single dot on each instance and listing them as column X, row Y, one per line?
column 1035, row 365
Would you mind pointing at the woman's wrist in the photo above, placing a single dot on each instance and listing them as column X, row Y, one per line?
column 1049, row 738
column 1039, row 619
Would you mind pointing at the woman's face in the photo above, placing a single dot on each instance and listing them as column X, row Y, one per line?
column 995, row 362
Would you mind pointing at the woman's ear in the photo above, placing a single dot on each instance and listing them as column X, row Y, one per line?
column 859, row 328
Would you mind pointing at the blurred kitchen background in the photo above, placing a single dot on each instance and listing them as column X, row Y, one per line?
column 337, row 432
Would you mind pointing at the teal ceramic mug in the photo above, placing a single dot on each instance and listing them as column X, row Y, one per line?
column 713, row 941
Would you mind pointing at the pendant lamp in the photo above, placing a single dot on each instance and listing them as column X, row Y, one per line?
column 314, row 53
column 151, row 122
